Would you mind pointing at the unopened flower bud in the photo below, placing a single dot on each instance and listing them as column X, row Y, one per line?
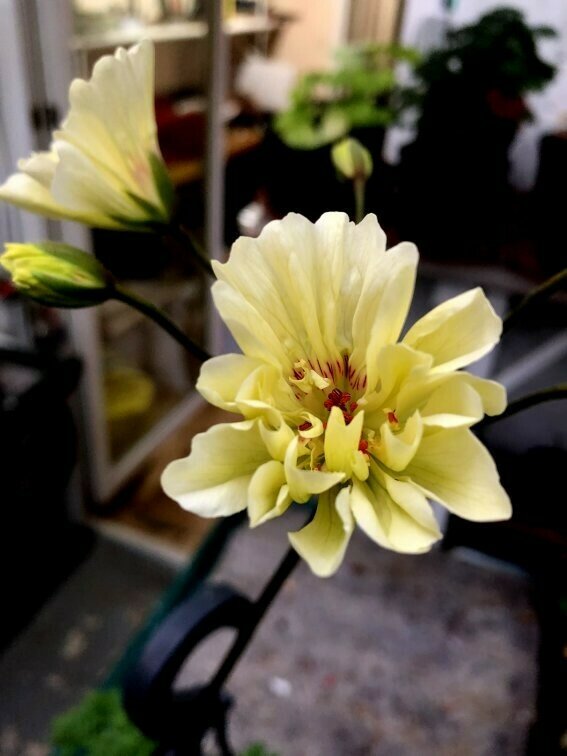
column 57, row 275
column 351, row 159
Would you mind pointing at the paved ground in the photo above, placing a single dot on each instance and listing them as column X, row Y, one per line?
column 394, row 656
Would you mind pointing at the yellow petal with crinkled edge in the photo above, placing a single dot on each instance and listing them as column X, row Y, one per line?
column 264, row 392
column 453, row 468
column 81, row 186
column 323, row 542
column 417, row 390
column 104, row 168
column 221, row 377
column 395, row 364
column 389, row 524
column 303, row 484
column 455, row 403
column 268, row 494
column 26, row 192
column 383, row 306
column 457, row 332
column 341, row 444
column 411, row 500
column 277, row 437
column 213, row 480
column 397, row 449
column 320, row 267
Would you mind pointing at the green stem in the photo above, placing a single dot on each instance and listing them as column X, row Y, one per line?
column 187, row 239
column 359, row 186
column 161, row 319
column 530, row 400
column 547, row 288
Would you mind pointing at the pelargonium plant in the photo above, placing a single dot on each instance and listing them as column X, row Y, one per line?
column 344, row 410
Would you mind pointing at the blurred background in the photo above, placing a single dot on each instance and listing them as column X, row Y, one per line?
column 463, row 106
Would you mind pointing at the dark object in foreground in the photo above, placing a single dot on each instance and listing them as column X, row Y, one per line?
column 179, row 720
column 38, row 449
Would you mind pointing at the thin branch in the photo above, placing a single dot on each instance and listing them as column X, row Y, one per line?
column 530, row 400
column 161, row 319
column 188, row 241
column 359, row 187
column 553, row 284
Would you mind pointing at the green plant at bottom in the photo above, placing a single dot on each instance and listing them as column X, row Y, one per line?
column 99, row 726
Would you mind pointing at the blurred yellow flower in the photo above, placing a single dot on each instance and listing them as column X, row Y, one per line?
column 56, row 274
column 332, row 404
column 104, row 167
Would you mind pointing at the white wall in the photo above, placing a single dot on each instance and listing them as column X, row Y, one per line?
column 421, row 26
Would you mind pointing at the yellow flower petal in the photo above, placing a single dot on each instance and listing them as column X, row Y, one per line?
column 104, row 168
column 453, row 468
column 457, row 332
column 416, row 391
column 323, row 542
column 395, row 365
column 455, row 403
column 213, row 480
column 303, row 484
column 277, row 437
column 397, row 449
column 383, row 306
column 341, row 444
column 321, row 268
column 221, row 377
column 389, row 524
column 268, row 495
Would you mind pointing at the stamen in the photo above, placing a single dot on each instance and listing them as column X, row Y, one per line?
column 363, row 446
column 392, row 418
column 333, row 399
column 305, row 426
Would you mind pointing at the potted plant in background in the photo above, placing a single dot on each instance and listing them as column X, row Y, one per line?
column 471, row 99
column 361, row 97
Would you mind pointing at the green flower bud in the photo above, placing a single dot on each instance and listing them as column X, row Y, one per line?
column 351, row 159
column 57, row 275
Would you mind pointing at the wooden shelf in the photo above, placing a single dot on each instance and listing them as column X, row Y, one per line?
column 237, row 142
column 169, row 31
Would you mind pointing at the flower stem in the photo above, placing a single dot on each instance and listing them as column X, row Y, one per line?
column 359, row 186
column 159, row 317
column 187, row 239
column 556, row 282
column 259, row 608
column 530, row 400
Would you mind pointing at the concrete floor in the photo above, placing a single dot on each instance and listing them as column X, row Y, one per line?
column 394, row 656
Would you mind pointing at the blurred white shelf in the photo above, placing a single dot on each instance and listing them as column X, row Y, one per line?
column 169, row 31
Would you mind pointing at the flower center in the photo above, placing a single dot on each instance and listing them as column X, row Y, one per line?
column 321, row 386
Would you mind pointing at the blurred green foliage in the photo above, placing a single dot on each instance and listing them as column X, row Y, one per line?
column 361, row 92
column 498, row 52
column 99, row 726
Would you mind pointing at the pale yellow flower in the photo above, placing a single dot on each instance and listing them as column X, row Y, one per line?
column 332, row 404
column 104, row 167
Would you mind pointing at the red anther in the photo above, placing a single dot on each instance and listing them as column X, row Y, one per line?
column 353, row 406
column 305, row 426
column 347, row 417
column 333, row 399
column 363, row 446
column 345, row 398
column 392, row 417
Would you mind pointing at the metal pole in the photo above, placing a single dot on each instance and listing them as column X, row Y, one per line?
column 215, row 158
